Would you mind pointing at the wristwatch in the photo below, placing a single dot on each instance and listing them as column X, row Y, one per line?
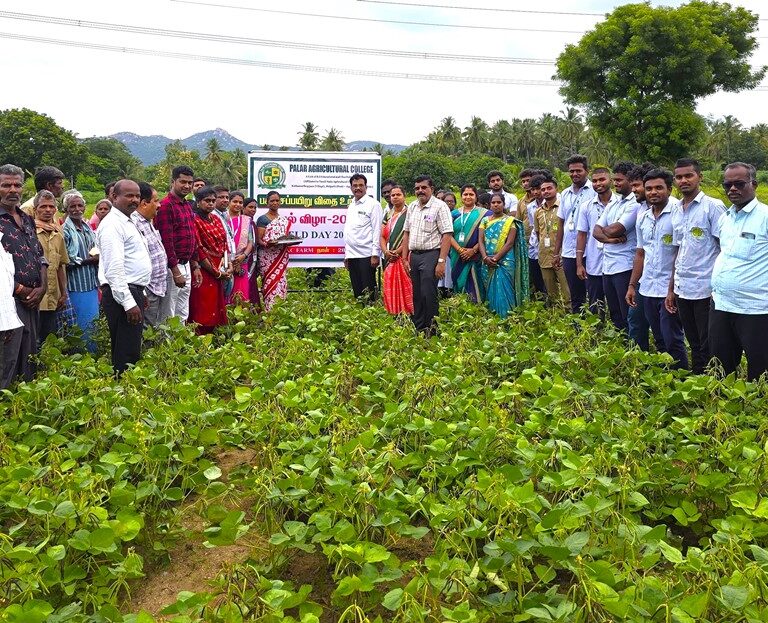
column 440, row 260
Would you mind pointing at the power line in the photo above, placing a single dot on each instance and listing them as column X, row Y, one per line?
column 143, row 30
column 478, row 8
column 269, row 65
column 495, row 10
column 399, row 22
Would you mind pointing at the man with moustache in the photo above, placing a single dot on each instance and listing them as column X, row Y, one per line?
column 18, row 235
column 589, row 252
column 46, row 178
column 696, row 230
column 653, row 266
column 362, row 239
column 427, row 234
column 125, row 270
column 738, row 314
column 572, row 199
column 495, row 181
column 142, row 218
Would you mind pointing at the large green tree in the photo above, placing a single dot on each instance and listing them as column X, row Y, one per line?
column 30, row 139
column 109, row 160
column 639, row 73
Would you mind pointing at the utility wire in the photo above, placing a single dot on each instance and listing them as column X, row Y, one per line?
column 143, row 30
column 399, row 22
column 284, row 66
column 479, row 8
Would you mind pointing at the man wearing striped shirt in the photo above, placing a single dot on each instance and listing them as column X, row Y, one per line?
column 156, row 289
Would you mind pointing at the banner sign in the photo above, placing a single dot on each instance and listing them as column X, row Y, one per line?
column 314, row 193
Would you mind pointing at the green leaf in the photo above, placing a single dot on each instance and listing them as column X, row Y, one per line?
column 733, row 597
column 393, row 599
column 673, row 555
column 212, row 473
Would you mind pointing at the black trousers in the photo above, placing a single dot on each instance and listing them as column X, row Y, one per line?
column 534, row 274
column 577, row 287
column 667, row 330
column 596, row 295
column 694, row 314
column 47, row 325
column 732, row 334
column 363, row 278
column 125, row 338
column 20, row 347
column 425, row 301
column 615, row 287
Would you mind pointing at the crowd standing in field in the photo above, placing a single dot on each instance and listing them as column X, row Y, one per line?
column 614, row 242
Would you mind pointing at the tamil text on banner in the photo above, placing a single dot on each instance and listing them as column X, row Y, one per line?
column 315, row 192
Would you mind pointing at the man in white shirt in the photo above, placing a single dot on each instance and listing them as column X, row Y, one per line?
column 579, row 194
column 10, row 324
column 496, row 184
column 362, row 239
column 125, row 269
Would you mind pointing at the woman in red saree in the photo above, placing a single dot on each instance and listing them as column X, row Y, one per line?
column 398, row 291
column 207, row 308
column 242, row 230
column 273, row 257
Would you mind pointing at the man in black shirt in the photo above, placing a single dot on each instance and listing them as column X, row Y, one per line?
column 20, row 241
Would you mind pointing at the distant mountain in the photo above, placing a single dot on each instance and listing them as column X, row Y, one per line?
column 360, row 145
column 151, row 149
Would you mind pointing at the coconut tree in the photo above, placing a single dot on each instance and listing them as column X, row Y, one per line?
column 332, row 141
column 476, row 135
column 309, row 136
column 502, row 139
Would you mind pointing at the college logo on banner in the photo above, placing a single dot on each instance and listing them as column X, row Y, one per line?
column 271, row 176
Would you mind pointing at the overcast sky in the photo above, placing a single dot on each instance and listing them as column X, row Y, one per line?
column 98, row 92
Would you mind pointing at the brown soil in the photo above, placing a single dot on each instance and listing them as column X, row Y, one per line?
column 313, row 569
column 193, row 566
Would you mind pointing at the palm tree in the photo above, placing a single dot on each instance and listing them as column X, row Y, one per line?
column 213, row 152
column 597, row 149
column 524, row 131
column 450, row 136
column 332, row 141
column 573, row 129
column 231, row 169
column 266, row 147
column 549, row 132
column 378, row 148
column 476, row 135
column 309, row 137
column 502, row 139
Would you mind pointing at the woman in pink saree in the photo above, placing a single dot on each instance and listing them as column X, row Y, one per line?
column 273, row 257
column 242, row 230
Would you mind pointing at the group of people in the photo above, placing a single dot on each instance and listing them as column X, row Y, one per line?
column 615, row 241
column 139, row 260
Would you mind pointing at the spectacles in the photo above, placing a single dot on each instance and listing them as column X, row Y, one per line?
column 739, row 184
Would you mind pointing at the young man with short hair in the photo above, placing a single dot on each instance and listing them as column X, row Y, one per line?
column 526, row 210
column 616, row 230
column 46, row 178
column 495, row 181
column 176, row 223
column 578, row 194
column 653, row 265
column 589, row 252
column 546, row 227
column 696, row 231
column 738, row 314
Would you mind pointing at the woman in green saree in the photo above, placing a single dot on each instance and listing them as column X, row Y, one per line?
column 465, row 247
column 398, row 290
column 502, row 244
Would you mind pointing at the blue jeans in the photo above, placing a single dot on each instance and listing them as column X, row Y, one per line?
column 667, row 330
